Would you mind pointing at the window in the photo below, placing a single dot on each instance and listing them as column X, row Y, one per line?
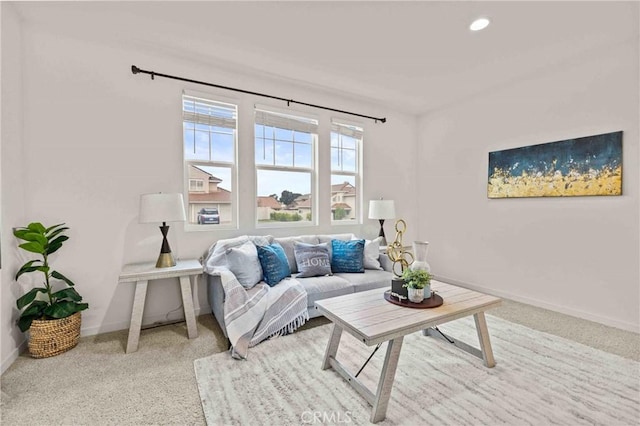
column 196, row 185
column 210, row 135
column 346, row 140
column 285, row 147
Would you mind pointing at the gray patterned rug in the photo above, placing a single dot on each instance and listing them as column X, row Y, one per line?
column 539, row 379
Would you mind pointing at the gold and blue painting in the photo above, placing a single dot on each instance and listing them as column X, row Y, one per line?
column 589, row 165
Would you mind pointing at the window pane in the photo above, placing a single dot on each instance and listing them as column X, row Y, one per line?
column 196, row 145
column 302, row 137
column 284, row 154
column 335, row 159
column 344, row 151
column 209, row 195
column 283, row 196
column 264, row 151
column 349, row 160
column 303, row 155
column 284, row 134
column 343, row 198
column 222, row 149
column 348, row 142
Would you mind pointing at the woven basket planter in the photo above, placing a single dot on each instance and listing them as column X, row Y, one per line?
column 53, row 337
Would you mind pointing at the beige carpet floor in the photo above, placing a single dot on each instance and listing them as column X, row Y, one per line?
column 96, row 383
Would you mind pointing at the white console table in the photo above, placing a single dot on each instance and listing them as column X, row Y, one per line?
column 141, row 274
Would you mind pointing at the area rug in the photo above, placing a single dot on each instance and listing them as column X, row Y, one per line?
column 539, row 379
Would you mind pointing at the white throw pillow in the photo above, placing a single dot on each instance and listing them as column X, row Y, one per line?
column 371, row 253
column 244, row 263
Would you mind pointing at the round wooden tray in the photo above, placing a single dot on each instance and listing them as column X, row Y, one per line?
column 433, row 302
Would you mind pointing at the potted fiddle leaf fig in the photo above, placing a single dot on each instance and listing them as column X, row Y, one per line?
column 50, row 312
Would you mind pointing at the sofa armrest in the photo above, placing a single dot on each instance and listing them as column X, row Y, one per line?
column 216, row 299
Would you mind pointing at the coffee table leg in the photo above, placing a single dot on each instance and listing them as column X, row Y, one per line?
column 483, row 336
column 332, row 346
column 379, row 411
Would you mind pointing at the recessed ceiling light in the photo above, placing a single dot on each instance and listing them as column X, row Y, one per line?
column 479, row 24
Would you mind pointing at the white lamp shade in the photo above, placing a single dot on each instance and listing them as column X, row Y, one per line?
column 382, row 209
column 161, row 207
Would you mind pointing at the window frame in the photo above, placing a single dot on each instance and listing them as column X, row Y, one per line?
column 224, row 102
column 356, row 175
column 312, row 170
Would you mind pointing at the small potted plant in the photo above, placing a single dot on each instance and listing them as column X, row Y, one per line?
column 53, row 320
column 418, row 284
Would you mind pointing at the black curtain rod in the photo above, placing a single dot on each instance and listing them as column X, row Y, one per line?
column 153, row 74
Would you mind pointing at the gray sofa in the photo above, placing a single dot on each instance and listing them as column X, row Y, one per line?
column 317, row 288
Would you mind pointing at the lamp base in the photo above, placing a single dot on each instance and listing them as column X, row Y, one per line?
column 165, row 260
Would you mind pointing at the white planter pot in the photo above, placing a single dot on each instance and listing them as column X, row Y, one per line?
column 416, row 295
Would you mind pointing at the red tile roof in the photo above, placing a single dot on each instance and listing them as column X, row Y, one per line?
column 345, row 187
column 343, row 206
column 221, row 196
column 268, row 202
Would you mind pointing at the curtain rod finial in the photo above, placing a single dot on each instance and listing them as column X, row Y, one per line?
column 134, row 69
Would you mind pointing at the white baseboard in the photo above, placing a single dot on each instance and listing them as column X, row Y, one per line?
column 623, row 325
column 106, row 328
column 146, row 321
column 6, row 363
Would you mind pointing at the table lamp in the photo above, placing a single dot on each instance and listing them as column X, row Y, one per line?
column 163, row 208
column 381, row 210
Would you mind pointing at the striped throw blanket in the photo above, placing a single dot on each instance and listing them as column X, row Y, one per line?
column 254, row 315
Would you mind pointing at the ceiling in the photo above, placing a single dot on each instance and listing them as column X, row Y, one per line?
column 414, row 56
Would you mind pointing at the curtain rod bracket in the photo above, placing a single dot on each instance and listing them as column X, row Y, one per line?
column 136, row 70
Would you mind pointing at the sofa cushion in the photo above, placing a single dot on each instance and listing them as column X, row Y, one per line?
column 312, row 259
column 274, row 263
column 287, row 244
column 369, row 280
column 347, row 256
column 244, row 263
column 324, row 287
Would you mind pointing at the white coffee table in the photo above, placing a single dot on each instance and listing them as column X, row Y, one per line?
column 372, row 320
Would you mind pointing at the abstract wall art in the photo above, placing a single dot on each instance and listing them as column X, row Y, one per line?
column 590, row 165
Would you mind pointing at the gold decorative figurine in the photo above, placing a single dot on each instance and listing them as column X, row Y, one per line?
column 396, row 251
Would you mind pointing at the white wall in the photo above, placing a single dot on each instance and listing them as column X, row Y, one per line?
column 575, row 255
column 95, row 137
column 12, row 189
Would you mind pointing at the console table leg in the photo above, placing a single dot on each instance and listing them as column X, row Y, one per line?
column 136, row 315
column 187, row 302
column 332, row 346
column 483, row 337
column 388, row 374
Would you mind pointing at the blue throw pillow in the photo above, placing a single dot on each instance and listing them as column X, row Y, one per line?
column 347, row 256
column 312, row 259
column 273, row 260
